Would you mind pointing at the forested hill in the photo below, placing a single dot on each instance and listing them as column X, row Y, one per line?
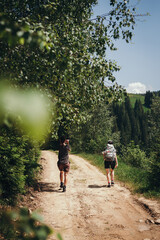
column 145, row 98
column 133, row 97
column 132, row 117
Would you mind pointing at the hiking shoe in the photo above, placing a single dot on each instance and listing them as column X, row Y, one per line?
column 64, row 188
column 109, row 185
column 112, row 183
column 61, row 185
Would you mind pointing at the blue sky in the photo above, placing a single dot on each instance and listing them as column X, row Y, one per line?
column 140, row 59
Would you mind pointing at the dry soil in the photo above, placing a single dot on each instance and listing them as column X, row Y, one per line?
column 88, row 210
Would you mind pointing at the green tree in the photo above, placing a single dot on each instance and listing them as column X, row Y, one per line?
column 148, row 99
column 56, row 47
column 94, row 134
column 127, row 128
column 131, row 122
column 154, row 144
column 154, row 126
column 141, row 119
column 70, row 61
column 134, row 156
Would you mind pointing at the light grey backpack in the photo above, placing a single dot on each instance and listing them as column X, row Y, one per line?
column 109, row 152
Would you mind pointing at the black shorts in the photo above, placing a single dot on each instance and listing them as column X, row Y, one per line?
column 110, row 164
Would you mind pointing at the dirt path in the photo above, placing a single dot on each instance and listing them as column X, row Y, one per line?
column 88, row 210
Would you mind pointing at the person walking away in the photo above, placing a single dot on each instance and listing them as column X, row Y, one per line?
column 63, row 161
column 110, row 162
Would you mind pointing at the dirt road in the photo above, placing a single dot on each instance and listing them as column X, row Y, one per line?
column 88, row 210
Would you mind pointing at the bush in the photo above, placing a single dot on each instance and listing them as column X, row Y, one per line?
column 134, row 156
column 21, row 225
column 31, row 155
column 154, row 172
column 18, row 160
column 93, row 135
column 12, row 168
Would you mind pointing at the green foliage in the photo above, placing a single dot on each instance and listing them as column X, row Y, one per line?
column 21, row 225
column 17, row 166
column 140, row 180
column 154, row 143
column 145, row 133
column 149, row 96
column 24, row 120
column 136, row 178
column 18, row 33
column 93, row 134
column 134, row 156
column 28, row 110
column 131, row 122
column 153, row 173
column 148, row 99
column 56, row 46
column 12, row 177
column 154, row 126
column 134, row 97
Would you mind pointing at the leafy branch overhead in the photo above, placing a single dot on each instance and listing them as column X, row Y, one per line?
column 55, row 45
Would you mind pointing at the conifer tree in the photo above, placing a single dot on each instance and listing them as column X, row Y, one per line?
column 138, row 110
column 128, row 106
column 131, row 122
column 154, row 143
column 148, row 99
column 127, row 128
column 144, row 126
column 154, row 126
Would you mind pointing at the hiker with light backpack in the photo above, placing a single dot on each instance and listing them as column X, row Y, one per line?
column 110, row 162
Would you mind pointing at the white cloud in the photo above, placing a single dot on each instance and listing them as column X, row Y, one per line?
column 136, row 87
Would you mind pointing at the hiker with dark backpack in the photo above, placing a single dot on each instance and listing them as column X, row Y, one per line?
column 110, row 162
column 63, row 161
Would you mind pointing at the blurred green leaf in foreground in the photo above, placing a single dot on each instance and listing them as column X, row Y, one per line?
column 23, row 225
column 29, row 110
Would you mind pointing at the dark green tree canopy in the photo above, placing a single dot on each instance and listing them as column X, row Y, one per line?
column 131, row 122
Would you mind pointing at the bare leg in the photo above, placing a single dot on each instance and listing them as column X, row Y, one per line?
column 112, row 175
column 61, row 176
column 65, row 178
column 65, row 181
column 108, row 175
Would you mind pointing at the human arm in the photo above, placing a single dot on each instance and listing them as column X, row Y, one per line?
column 116, row 161
column 103, row 155
column 68, row 146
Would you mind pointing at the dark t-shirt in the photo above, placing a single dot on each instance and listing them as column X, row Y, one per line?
column 63, row 156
